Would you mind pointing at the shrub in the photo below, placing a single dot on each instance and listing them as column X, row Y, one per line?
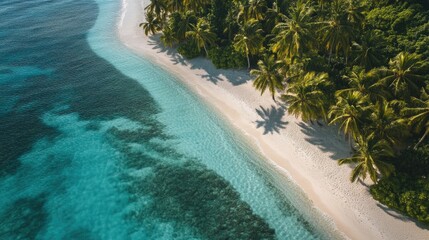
column 405, row 194
column 227, row 57
column 408, row 191
column 414, row 162
column 189, row 50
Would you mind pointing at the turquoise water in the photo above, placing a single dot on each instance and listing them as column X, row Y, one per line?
column 98, row 143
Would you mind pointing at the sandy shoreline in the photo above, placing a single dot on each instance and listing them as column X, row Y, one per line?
column 303, row 152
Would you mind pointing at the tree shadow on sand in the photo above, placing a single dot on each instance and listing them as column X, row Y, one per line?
column 326, row 138
column 235, row 77
column 175, row 57
column 214, row 75
column 396, row 214
column 393, row 213
column 271, row 119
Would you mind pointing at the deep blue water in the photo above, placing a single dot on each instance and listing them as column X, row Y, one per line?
column 97, row 143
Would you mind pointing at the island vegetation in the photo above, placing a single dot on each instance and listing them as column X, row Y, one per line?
column 359, row 64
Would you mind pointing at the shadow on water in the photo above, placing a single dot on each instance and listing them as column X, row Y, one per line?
column 202, row 200
column 81, row 234
column 184, row 191
column 271, row 119
column 212, row 75
column 24, row 219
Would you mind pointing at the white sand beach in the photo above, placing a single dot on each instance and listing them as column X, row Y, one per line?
column 305, row 153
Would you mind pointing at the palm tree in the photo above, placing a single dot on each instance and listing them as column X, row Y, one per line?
column 402, row 74
column 157, row 7
column 294, row 36
column 338, row 33
column 274, row 15
column 249, row 39
column 152, row 24
column 168, row 38
column 201, row 34
column 355, row 13
column 348, row 112
column 366, row 54
column 242, row 15
column 305, row 98
column 368, row 159
column 419, row 115
column 321, row 3
column 180, row 23
column 195, row 5
column 256, row 9
column 289, row 70
column 267, row 76
column 338, row 36
column 366, row 84
column 385, row 124
column 175, row 5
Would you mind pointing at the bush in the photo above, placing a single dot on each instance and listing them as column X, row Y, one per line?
column 405, row 194
column 414, row 162
column 189, row 50
column 227, row 57
column 179, row 23
column 408, row 191
column 401, row 27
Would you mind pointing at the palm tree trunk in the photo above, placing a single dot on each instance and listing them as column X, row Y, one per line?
column 205, row 49
column 421, row 139
column 351, row 141
column 247, row 55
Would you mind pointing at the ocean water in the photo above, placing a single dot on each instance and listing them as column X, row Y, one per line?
column 97, row 143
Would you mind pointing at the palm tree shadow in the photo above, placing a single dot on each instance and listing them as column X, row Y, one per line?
column 322, row 137
column 175, row 57
column 213, row 75
column 394, row 213
column 210, row 77
column 271, row 119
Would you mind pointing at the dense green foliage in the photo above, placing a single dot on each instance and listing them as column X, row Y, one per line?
column 360, row 64
column 227, row 57
column 414, row 162
column 406, row 194
column 189, row 50
column 407, row 191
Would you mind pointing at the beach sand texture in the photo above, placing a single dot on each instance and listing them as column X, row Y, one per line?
column 305, row 153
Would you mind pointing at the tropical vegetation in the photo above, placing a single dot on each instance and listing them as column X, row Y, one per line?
column 361, row 65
